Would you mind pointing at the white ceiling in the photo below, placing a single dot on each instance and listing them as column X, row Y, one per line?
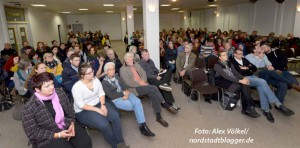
column 96, row 6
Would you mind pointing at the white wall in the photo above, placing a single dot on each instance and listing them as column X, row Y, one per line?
column 264, row 16
column 110, row 23
column 297, row 21
column 166, row 21
column 3, row 29
column 43, row 26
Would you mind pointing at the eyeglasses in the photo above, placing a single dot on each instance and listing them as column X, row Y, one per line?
column 112, row 69
column 92, row 72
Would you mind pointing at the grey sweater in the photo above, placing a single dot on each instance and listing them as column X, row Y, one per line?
column 149, row 68
column 19, row 83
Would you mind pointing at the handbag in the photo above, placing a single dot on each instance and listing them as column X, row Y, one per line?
column 229, row 100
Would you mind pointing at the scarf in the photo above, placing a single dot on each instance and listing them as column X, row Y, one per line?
column 114, row 82
column 59, row 112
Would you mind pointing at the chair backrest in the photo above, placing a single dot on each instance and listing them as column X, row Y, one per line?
column 198, row 76
column 199, row 63
column 211, row 62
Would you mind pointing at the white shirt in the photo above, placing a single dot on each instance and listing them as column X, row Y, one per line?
column 239, row 61
column 186, row 60
column 83, row 95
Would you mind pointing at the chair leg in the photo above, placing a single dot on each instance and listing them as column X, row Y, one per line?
column 199, row 97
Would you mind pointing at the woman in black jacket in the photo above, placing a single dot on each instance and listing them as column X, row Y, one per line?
column 48, row 117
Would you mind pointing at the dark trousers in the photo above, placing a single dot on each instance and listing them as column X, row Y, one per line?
column 153, row 93
column 246, row 98
column 112, row 132
column 166, row 78
column 81, row 140
column 279, row 81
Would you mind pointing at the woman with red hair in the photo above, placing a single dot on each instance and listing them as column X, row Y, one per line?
column 10, row 67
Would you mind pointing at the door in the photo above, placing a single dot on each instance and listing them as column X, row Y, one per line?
column 18, row 35
column 77, row 27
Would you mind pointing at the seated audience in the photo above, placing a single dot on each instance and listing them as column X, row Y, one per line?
column 246, row 69
column 266, row 71
column 83, row 57
column 53, row 66
column 92, row 110
column 10, row 67
column 70, row 75
column 160, row 79
column 20, row 76
column 66, row 63
column 92, row 54
column 228, row 78
column 117, row 91
column 56, row 55
column 279, row 62
column 135, row 78
column 132, row 49
column 185, row 62
column 25, row 54
column 62, row 51
column 170, row 57
column 48, row 117
column 98, row 65
column 34, row 57
column 38, row 69
column 111, row 57
column 8, row 51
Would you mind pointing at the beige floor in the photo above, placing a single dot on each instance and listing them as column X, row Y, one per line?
column 284, row 133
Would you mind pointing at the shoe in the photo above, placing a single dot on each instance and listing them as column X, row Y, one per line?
column 162, row 122
column 172, row 110
column 146, row 131
column 207, row 99
column 284, row 110
column 165, row 87
column 251, row 112
column 269, row 116
column 122, row 145
column 175, row 107
column 295, row 87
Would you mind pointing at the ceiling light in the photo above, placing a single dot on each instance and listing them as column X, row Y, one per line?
column 165, row 5
column 66, row 12
column 181, row 11
column 108, row 5
column 212, row 5
column 173, row 0
column 134, row 9
column 38, row 5
column 298, row 9
column 83, row 9
column 175, row 8
column 109, row 11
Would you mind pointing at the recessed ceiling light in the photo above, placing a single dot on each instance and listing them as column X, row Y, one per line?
column 181, row 11
column 298, row 9
column 134, row 9
column 108, row 5
column 173, row 0
column 65, row 12
column 212, row 5
column 109, row 11
column 38, row 5
column 165, row 5
column 175, row 8
column 83, row 9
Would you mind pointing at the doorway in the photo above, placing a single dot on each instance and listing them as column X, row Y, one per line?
column 17, row 35
column 77, row 27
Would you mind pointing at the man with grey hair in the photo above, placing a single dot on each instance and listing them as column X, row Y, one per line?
column 135, row 78
column 185, row 62
column 111, row 57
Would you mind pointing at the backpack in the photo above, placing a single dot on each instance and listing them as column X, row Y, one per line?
column 229, row 100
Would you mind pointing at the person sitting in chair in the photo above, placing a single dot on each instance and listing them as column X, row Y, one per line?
column 115, row 90
column 228, row 78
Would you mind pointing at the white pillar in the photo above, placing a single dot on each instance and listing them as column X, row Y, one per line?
column 130, row 22
column 297, row 21
column 123, row 24
column 186, row 19
column 151, row 29
column 4, row 38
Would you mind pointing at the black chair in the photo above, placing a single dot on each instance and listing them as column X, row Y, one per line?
column 200, row 85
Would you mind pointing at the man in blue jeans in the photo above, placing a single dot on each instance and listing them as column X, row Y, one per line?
column 279, row 62
column 245, row 68
column 266, row 71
